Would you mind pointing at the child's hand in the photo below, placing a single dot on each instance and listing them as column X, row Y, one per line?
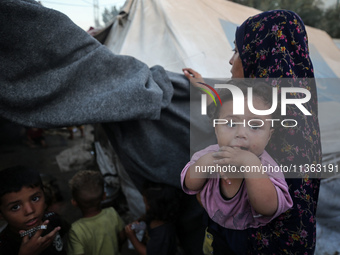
column 235, row 156
column 130, row 233
column 139, row 246
column 37, row 243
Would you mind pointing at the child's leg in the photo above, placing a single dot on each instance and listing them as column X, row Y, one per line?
column 70, row 131
column 81, row 129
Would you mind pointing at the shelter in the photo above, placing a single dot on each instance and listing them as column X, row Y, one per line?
column 200, row 34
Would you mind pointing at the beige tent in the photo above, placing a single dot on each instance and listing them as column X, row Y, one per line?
column 198, row 34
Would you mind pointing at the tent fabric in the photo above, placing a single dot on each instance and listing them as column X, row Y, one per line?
column 175, row 34
column 337, row 42
column 196, row 33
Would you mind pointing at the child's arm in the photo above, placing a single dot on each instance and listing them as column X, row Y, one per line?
column 37, row 243
column 195, row 183
column 130, row 233
column 261, row 191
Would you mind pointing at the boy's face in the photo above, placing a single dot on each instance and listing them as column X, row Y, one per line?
column 24, row 209
column 244, row 136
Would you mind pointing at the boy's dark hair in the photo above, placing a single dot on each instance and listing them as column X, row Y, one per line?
column 260, row 89
column 13, row 179
column 87, row 188
column 162, row 201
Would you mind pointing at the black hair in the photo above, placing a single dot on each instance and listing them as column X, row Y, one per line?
column 162, row 201
column 13, row 179
column 260, row 89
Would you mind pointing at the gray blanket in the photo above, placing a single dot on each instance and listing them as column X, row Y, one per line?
column 53, row 74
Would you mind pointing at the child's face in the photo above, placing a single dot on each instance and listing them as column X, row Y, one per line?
column 23, row 210
column 244, row 136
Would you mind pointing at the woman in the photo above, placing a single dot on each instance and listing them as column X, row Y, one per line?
column 274, row 45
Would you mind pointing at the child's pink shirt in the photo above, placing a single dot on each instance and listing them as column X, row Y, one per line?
column 237, row 213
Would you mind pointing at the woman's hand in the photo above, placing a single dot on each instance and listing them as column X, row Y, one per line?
column 194, row 77
column 196, row 80
column 191, row 73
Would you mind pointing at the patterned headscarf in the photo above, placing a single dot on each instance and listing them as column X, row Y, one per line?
column 274, row 45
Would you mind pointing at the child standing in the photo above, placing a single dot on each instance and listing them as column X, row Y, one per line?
column 99, row 231
column 243, row 200
column 162, row 207
column 22, row 206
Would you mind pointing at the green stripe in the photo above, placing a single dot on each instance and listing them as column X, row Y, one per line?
column 209, row 93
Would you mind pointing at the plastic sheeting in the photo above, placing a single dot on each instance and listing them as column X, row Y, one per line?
column 109, row 163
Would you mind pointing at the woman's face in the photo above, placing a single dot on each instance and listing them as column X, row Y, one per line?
column 236, row 65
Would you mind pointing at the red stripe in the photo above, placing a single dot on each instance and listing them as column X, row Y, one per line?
column 211, row 88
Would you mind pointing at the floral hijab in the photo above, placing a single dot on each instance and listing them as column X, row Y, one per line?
column 274, row 45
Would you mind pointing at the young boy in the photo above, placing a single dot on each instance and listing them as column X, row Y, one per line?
column 99, row 231
column 22, row 206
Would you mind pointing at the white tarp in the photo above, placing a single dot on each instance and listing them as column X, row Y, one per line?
column 200, row 34
column 337, row 42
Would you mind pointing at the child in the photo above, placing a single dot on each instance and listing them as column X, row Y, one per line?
column 22, row 206
column 239, row 201
column 99, row 231
column 162, row 205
